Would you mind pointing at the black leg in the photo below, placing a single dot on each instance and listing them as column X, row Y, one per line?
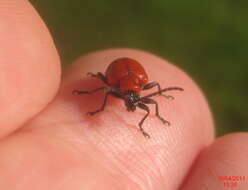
column 151, row 101
column 99, row 76
column 102, row 107
column 146, row 108
column 153, row 84
column 78, row 92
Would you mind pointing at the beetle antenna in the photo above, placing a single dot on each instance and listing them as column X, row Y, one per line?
column 161, row 91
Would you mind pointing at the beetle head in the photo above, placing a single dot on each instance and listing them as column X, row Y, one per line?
column 131, row 99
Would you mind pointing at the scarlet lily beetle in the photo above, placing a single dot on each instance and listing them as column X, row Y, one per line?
column 125, row 79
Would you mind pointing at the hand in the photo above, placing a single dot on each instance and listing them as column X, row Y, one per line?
column 48, row 142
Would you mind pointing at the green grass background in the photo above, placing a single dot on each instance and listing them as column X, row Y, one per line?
column 207, row 38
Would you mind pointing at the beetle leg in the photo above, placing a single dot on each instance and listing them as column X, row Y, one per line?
column 78, row 92
column 151, row 101
column 146, row 108
column 153, row 84
column 99, row 76
column 102, row 107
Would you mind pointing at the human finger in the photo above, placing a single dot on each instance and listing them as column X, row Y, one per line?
column 30, row 67
column 222, row 165
column 148, row 163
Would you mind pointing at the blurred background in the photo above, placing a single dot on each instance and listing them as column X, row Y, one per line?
column 208, row 39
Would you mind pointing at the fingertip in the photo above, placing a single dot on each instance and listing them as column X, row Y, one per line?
column 30, row 66
column 115, row 131
column 222, row 164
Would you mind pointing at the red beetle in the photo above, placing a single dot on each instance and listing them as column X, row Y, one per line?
column 125, row 79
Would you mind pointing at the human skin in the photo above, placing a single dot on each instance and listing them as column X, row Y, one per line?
column 48, row 142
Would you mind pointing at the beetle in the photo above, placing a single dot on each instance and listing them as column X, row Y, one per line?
column 125, row 78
